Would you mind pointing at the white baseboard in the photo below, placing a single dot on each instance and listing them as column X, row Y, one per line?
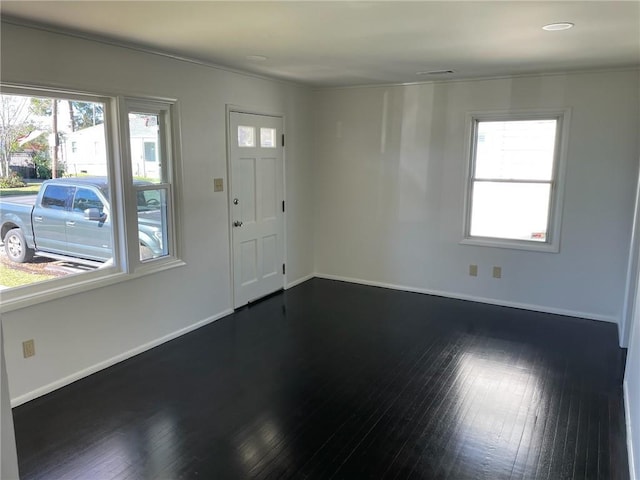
column 113, row 360
column 627, row 418
column 299, row 281
column 472, row 298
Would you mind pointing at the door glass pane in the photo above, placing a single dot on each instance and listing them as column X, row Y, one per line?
column 152, row 223
column 144, row 133
column 518, row 211
column 268, row 137
column 246, row 136
column 518, row 150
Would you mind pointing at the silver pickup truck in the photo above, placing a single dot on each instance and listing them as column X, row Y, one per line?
column 70, row 218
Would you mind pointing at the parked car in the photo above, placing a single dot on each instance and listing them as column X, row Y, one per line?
column 71, row 218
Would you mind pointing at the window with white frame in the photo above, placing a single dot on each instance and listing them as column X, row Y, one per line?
column 149, row 123
column 107, row 214
column 515, row 180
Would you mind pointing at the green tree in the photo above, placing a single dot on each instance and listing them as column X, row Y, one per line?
column 14, row 124
column 86, row 114
column 45, row 107
column 42, row 163
column 40, row 106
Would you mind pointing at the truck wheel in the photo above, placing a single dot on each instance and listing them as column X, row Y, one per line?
column 16, row 246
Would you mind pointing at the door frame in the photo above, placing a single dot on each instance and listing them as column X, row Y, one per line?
column 231, row 108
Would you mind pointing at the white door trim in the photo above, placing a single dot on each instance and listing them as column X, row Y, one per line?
column 232, row 108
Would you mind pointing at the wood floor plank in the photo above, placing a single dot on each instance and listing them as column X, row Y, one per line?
column 331, row 380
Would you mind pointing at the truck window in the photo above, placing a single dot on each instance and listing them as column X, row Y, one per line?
column 86, row 198
column 57, row 197
column 149, row 200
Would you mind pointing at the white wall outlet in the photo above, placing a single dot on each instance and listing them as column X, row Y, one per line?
column 497, row 272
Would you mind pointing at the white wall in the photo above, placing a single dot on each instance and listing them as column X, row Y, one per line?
column 632, row 390
column 390, row 166
column 632, row 399
column 77, row 334
column 8, row 457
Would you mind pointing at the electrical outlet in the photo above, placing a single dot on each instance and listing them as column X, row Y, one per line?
column 218, row 184
column 497, row 272
column 473, row 270
column 28, row 348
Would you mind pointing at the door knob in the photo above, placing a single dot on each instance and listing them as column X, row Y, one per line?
column 237, row 223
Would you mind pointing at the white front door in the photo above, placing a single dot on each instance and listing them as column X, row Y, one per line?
column 257, row 195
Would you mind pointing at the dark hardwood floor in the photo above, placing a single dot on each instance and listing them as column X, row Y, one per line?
column 333, row 380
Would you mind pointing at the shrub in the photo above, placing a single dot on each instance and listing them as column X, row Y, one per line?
column 13, row 180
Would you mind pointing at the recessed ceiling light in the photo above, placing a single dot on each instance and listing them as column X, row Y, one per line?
column 553, row 27
column 256, row 58
column 435, row 72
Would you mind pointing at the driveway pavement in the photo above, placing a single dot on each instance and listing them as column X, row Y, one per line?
column 42, row 265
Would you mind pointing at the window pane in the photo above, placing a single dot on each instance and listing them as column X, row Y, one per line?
column 520, row 150
column 246, row 136
column 517, row 211
column 150, row 130
column 150, row 152
column 268, row 137
column 58, row 146
column 85, row 199
column 144, row 138
column 56, row 197
column 153, row 223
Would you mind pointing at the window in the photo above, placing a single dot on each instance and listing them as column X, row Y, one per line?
column 149, row 151
column 246, row 136
column 55, row 197
column 150, row 126
column 111, row 216
column 85, row 199
column 268, row 137
column 515, row 180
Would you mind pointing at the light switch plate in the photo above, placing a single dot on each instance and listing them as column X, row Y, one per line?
column 218, row 185
column 28, row 348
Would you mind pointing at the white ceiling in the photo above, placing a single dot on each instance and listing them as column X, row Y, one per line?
column 362, row 43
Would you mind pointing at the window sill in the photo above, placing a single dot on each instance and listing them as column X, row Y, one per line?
column 512, row 244
column 29, row 295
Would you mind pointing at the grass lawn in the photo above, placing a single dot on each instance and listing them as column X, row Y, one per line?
column 30, row 189
column 15, row 278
